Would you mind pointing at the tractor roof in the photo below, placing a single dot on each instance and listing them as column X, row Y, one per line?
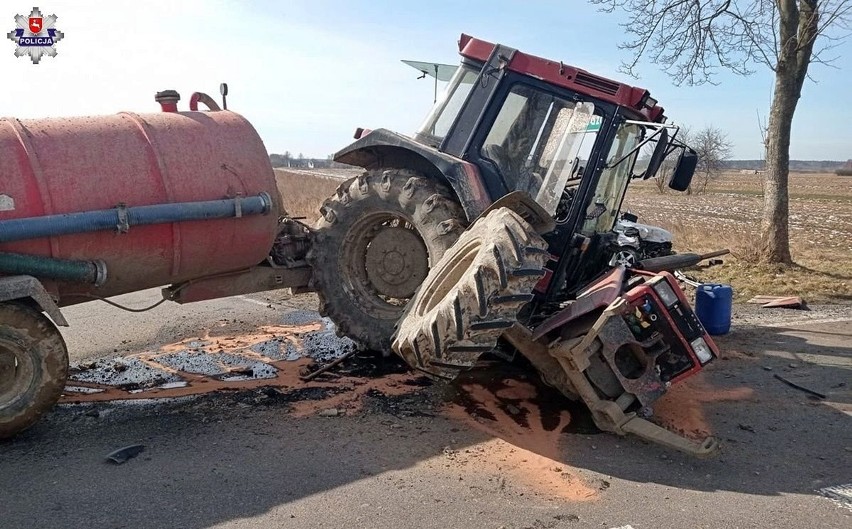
column 555, row 72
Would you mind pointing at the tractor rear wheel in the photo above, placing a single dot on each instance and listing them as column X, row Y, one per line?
column 472, row 295
column 33, row 367
column 374, row 244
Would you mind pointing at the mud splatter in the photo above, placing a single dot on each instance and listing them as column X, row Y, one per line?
column 681, row 409
column 520, row 469
column 527, row 421
column 352, row 401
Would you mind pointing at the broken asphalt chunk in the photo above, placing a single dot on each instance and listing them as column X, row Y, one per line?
column 123, row 454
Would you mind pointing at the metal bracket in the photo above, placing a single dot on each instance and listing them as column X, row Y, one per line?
column 23, row 287
column 238, row 206
column 569, row 378
column 654, row 433
column 537, row 353
column 123, row 225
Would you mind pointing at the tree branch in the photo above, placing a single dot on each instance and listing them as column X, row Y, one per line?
column 692, row 39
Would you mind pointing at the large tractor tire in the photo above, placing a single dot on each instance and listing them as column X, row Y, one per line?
column 472, row 295
column 33, row 367
column 376, row 240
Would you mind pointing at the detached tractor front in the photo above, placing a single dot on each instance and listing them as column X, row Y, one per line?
column 493, row 227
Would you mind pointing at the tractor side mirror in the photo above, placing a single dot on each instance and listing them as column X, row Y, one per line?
column 682, row 175
column 658, row 155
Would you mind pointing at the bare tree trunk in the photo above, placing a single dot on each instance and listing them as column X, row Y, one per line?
column 775, row 226
column 798, row 27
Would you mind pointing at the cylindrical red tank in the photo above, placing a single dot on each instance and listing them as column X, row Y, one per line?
column 68, row 165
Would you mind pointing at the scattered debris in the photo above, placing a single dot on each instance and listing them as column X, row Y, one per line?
column 800, row 388
column 329, row 365
column 215, row 360
column 780, row 302
column 686, row 279
column 121, row 455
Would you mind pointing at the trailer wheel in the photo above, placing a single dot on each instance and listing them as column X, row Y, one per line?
column 472, row 295
column 374, row 244
column 33, row 367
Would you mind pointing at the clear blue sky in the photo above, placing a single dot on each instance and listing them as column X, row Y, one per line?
column 307, row 73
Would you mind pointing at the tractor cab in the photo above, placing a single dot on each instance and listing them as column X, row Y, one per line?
column 537, row 155
column 570, row 139
column 563, row 140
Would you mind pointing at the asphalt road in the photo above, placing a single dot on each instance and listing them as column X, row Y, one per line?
column 493, row 450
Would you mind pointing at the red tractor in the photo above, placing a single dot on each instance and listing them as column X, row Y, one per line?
column 491, row 228
column 535, row 156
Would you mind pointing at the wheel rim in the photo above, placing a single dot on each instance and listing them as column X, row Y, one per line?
column 625, row 257
column 389, row 260
column 441, row 285
column 397, row 262
column 17, row 373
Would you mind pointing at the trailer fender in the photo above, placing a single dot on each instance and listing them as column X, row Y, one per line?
column 384, row 149
column 28, row 288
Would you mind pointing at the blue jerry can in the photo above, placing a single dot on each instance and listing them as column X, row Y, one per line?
column 713, row 303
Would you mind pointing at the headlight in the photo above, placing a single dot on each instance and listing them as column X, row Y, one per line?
column 702, row 350
column 664, row 290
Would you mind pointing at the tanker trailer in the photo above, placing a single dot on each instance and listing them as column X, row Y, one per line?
column 92, row 207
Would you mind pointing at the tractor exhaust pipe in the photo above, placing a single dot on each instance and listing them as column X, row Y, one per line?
column 673, row 262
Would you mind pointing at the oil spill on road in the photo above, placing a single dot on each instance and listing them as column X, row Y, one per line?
column 527, row 421
column 221, row 360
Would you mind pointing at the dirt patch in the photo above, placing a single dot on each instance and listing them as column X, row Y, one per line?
column 522, row 470
column 681, row 409
column 303, row 191
column 528, row 421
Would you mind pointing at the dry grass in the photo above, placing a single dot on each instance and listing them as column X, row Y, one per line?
column 728, row 216
column 814, row 277
column 303, row 193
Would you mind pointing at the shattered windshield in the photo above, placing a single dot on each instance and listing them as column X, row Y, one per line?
column 603, row 211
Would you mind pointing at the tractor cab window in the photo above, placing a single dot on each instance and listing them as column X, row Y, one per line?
column 603, row 210
column 536, row 140
column 447, row 107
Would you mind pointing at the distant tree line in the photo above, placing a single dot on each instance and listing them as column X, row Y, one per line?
column 803, row 166
column 299, row 161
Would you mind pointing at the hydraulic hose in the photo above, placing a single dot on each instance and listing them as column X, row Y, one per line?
column 121, row 218
column 47, row 267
